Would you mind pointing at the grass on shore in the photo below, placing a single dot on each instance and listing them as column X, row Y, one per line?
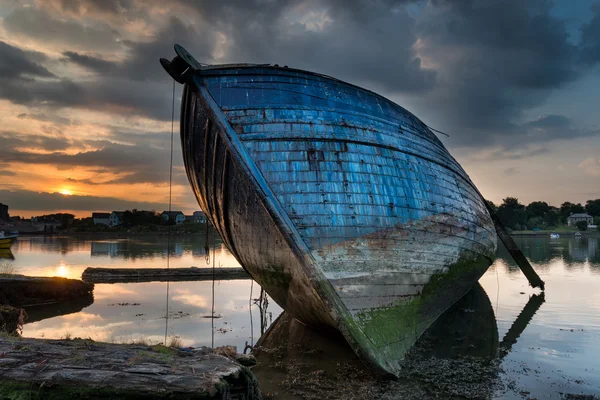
column 7, row 268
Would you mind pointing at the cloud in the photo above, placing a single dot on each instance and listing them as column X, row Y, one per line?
column 590, row 38
column 331, row 37
column 93, row 63
column 30, row 200
column 145, row 161
column 552, row 127
column 495, row 61
column 54, row 118
column 11, row 142
column 591, row 166
column 19, row 64
column 511, row 171
column 36, row 23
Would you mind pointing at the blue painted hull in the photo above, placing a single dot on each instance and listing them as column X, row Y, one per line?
column 345, row 207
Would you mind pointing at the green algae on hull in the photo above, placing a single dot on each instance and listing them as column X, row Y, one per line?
column 389, row 332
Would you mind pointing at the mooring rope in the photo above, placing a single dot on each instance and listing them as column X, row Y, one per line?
column 213, row 291
column 206, row 248
column 435, row 130
column 169, row 215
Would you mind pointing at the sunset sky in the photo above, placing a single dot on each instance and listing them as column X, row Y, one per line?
column 85, row 107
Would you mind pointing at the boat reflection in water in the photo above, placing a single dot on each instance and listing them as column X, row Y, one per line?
column 6, row 254
column 458, row 356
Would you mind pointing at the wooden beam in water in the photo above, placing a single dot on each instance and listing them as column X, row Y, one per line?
column 124, row 275
column 516, row 253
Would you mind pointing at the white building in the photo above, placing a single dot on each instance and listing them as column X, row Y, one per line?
column 573, row 219
column 116, row 218
column 101, row 218
column 199, row 216
column 175, row 215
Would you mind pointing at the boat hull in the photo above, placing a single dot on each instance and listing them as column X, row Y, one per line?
column 342, row 205
column 6, row 241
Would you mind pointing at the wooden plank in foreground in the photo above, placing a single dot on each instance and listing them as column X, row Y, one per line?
column 87, row 369
column 123, row 275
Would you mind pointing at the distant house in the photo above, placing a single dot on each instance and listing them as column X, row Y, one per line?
column 199, row 216
column 116, row 218
column 101, row 218
column 177, row 216
column 573, row 219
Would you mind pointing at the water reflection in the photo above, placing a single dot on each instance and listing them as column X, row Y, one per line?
column 70, row 255
column 570, row 249
column 459, row 354
column 560, row 345
column 6, row 254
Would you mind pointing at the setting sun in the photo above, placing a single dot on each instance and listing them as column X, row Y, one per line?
column 66, row 192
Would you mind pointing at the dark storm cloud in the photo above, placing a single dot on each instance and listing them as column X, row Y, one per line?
column 146, row 161
column 367, row 42
column 11, row 142
column 497, row 59
column 109, row 94
column 141, row 63
column 40, row 25
column 30, row 200
column 552, row 127
column 19, row 64
column 93, row 63
column 590, row 38
column 490, row 62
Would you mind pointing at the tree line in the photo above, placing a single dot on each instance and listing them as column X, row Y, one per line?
column 541, row 215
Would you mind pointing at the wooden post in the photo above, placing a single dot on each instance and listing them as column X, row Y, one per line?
column 516, row 253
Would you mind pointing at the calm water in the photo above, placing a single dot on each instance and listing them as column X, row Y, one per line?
column 557, row 352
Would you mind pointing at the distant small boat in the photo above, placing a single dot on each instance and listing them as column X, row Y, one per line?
column 6, row 240
column 577, row 234
column 554, row 236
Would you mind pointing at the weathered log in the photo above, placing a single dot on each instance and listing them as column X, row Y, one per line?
column 516, row 253
column 86, row 369
column 24, row 291
column 120, row 275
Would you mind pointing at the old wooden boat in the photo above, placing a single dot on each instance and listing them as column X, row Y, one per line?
column 342, row 205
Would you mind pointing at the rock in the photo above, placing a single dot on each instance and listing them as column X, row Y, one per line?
column 74, row 369
column 227, row 351
column 247, row 360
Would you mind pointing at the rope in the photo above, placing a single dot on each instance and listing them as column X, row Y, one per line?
column 213, row 292
column 251, row 322
column 169, row 219
column 206, row 248
column 435, row 130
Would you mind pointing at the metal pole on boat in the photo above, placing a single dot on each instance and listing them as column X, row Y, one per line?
column 516, row 253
